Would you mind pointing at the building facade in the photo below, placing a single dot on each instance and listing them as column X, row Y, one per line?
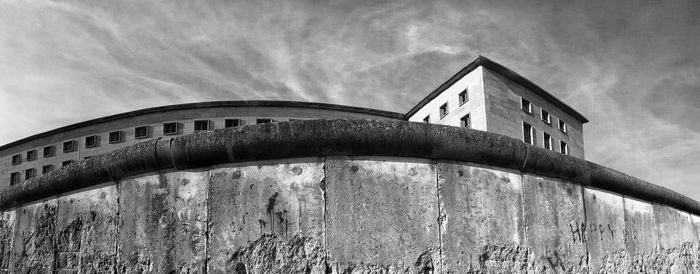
column 483, row 95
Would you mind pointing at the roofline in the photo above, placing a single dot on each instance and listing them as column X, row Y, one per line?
column 512, row 75
column 209, row 104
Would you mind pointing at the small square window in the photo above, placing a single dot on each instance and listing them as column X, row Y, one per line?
column 29, row 173
column 16, row 159
column 545, row 117
column 115, row 137
column 443, row 111
column 49, row 151
column 426, row 119
column 527, row 133
column 562, row 126
column 200, row 125
column 525, row 105
column 46, row 169
column 547, row 141
column 142, row 132
column 466, row 121
column 31, row 155
column 263, row 121
column 69, row 146
column 91, row 141
column 170, row 128
column 563, row 148
column 232, row 123
column 15, row 178
column 65, row 163
column 463, row 97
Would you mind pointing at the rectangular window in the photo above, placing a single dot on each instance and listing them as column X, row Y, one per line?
column 525, row 105
column 29, row 173
column 65, row 163
column 562, row 126
column 545, row 117
column 443, row 111
column 563, row 148
column 263, row 121
column 170, row 128
column 115, row 137
column 16, row 159
column 463, row 97
column 87, row 157
column 49, row 151
column 232, row 123
column 46, row 169
column 31, row 155
column 426, row 119
column 466, row 121
column 142, row 132
column 69, row 146
column 201, row 125
column 527, row 133
column 546, row 141
column 91, row 141
column 15, row 178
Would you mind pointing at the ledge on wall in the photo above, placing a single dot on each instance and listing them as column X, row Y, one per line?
column 314, row 138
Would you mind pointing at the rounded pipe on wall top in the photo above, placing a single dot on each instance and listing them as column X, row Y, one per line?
column 318, row 138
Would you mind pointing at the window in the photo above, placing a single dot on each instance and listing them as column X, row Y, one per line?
column 15, row 178
column 562, row 126
column 69, row 146
column 31, row 155
column 201, row 125
column 29, row 173
column 170, row 128
column 65, row 163
column 463, row 97
column 426, row 119
column 443, row 111
column 545, row 117
column 91, row 141
column 142, row 132
column 563, row 148
column 232, row 123
column 527, row 133
column 87, row 157
column 466, row 121
column 525, row 105
column 263, row 121
column 115, row 137
column 16, row 159
column 49, row 151
column 46, row 169
column 546, row 140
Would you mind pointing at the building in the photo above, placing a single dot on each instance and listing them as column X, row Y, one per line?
column 484, row 95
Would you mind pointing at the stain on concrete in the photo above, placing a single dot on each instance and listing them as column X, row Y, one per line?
column 34, row 239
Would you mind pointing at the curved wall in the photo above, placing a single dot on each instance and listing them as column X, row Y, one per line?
column 344, row 196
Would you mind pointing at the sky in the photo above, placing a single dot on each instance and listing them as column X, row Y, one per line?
column 631, row 67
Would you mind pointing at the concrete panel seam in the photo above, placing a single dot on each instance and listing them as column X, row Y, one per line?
column 439, row 209
column 325, row 212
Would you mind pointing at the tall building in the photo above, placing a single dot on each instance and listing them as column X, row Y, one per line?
column 484, row 95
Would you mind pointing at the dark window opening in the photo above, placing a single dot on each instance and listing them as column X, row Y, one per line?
column 142, row 132
column 545, row 117
column 65, row 163
column 91, row 141
column 15, row 178
column 31, row 155
column 170, row 128
column 49, row 151
column 68, row 146
column 546, row 140
column 463, row 97
column 232, row 123
column 29, row 173
column 426, row 119
column 525, row 105
column 562, row 126
column 443, row 111
column 527, row 133
column 115, row 137
column 16, row 159
column 46, row 169
column 563, row 148
column 263, row 121
column 466, row 121
column 201, row 125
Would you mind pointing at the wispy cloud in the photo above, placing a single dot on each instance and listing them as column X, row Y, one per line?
column 632, row 68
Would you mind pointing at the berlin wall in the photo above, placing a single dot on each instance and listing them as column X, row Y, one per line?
column 344, row 197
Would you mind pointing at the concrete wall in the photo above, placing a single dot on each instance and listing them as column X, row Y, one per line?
column 346, row 215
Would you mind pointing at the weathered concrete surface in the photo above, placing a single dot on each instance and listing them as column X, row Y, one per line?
column 163, row 221
column 641, row 239
column 86, row 231
column 677, row 239
column 7, row 224
column 605, row 227
column 381, row 216
column 481, row 219
column 273, row 205
column 35, row 233
column 554, row 215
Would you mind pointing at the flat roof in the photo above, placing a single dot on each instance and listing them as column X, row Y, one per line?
column 487, row 63
column 211, row 104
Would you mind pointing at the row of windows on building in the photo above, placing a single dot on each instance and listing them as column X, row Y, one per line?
column 529, row 137
column 463, row 97
column 526, row 106
column 114, row 137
